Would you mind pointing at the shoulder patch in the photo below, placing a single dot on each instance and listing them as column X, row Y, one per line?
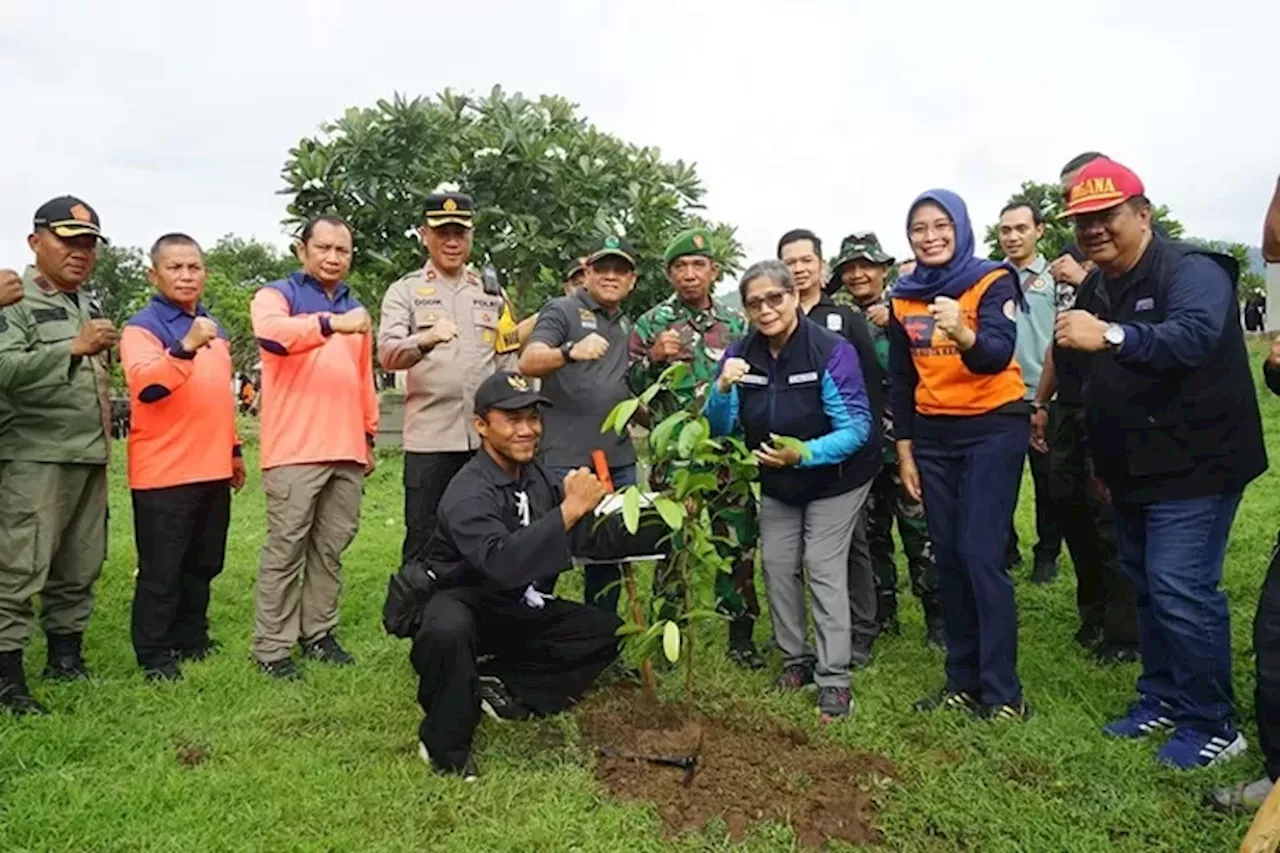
column 1009, row 308
column 835, row 322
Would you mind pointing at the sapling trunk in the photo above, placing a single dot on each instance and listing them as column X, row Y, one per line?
column 687, row 582
column 637, row 616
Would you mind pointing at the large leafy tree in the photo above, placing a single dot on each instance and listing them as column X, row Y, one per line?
column 1058, row 234
column 237, row 267
column 545, row 182
column 119, row 283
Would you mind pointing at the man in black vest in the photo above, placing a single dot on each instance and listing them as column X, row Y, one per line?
column 1175, row 436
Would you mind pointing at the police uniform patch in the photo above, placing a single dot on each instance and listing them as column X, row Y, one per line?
column 587, row 319
column 425, row 291
column 1008, row 308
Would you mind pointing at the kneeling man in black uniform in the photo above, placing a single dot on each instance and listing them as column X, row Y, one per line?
column 505, row 524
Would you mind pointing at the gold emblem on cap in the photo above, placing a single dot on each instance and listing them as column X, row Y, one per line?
column 518, row 382
column 80, row 212
column 449, row 205
column 698, row 241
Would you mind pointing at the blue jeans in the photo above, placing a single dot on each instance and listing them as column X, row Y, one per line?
column 602, row 582
column 970, row 485
column 1173, row 550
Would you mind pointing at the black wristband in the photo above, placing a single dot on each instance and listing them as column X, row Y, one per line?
column 566, row 350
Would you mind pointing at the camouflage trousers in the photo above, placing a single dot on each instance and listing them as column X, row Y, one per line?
column 735, row 592
column 888, row 501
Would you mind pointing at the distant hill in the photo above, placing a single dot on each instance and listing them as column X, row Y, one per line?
column 1256, row 263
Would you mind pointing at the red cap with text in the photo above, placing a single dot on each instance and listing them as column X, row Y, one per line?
column 1101, row 185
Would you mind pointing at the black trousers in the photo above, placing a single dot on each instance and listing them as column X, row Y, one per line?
column 181, row 535
column 1266, row 645
column 1048, row 516
column 547, row 657
column 426, row 476
column 1104, row 595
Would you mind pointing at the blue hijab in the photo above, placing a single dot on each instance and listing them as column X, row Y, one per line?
column 960, row 273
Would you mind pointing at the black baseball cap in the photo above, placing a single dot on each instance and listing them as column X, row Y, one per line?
column 507, row 391
column 574, row 267
column 68, row 216
column 446, row 208
column 619, row 247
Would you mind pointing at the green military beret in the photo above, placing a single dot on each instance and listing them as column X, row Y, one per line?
column 694, row 241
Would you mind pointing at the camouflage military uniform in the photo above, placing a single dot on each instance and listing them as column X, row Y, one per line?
column 704, row 336
column 888, row 499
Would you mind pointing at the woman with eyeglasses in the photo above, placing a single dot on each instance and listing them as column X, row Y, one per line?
column 962, row 428
column 789, row 377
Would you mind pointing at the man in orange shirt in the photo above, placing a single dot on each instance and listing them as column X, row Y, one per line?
column 319, row 416
column 184, row 458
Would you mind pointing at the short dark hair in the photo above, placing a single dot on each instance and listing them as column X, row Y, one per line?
column 1139, row 202
column 796, row 235
column 1036, row 216
column 174, row 238
column 330, row 218
column 1080, row 161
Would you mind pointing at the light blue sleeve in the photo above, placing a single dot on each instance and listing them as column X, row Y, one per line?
column 844, row 400
column 721, row 410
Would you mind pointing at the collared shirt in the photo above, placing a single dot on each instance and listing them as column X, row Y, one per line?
column 583, row 393
column 705, row 334
column 318, row 399
column 441, row 384
column 53, row 407
column 1035, row 322
column 182, row 412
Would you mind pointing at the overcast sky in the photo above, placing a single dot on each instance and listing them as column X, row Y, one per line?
column 828, row 115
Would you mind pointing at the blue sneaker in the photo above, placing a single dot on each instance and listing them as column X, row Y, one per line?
column 1192, row 748
column 1147, row 716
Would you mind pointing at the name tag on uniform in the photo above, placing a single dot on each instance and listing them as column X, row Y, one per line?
column 1144, row 304
column 754, row 379
column 835, row 322
column 49, row 315
column 588, row 320
column 801, row 378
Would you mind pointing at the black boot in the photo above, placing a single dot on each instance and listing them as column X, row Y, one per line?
column 935, row 634
column 742, row 648
column 887, row 612
column 14, row 694
column 65, row 662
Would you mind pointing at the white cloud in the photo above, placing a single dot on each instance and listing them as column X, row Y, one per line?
column 828, row 115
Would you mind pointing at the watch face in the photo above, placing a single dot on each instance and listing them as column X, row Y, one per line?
column 1113, row 335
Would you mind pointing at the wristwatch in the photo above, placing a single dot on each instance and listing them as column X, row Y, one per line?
column 1037, row 406
column 1114, row 336
column 566, row 350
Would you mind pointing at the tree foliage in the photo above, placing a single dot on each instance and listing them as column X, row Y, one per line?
column 1252, row 282
column 545, row 183
column 1058, row 233
column 119, row 282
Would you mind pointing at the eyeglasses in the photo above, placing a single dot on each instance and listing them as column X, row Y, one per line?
column 773, row 299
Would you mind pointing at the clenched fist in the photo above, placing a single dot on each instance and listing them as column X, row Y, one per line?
column 582, row 493
column 590, row 348
column 1067, row 270
column 351, row 323
column 201, row 332
column 731, row 374
column 10, row 288
column 444, row 330
column 94, row 337
column 879, row 314
column 666, row 347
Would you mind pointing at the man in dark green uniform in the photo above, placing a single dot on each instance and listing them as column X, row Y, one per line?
column 54, row 415
column 694, row 327
column 858, row 280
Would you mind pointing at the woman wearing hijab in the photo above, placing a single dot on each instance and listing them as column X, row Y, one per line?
column 961, row 438
column 791, row 377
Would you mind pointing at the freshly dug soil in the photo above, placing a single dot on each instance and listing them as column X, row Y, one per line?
column 750, row 769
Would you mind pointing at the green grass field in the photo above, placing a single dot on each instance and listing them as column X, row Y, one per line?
column 227, row 761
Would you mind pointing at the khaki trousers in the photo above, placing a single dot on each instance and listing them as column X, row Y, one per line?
column 313, row 512
column 53, row 541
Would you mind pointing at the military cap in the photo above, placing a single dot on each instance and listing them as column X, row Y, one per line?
column 861, row 245
column 693, row 241
column 68, row 216
column 507, row 391
column 612, row 245
column 447, row 208
column 574, row 267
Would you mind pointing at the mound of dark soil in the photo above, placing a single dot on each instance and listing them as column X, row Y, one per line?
column 749, row 770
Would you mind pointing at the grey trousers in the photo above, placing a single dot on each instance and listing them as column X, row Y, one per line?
column 812, row 539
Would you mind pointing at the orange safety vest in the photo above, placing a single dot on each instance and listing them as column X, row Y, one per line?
column 945, row 385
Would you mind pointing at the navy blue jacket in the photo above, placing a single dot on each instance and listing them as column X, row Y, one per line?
column 813, row 391
column 1173, row 415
